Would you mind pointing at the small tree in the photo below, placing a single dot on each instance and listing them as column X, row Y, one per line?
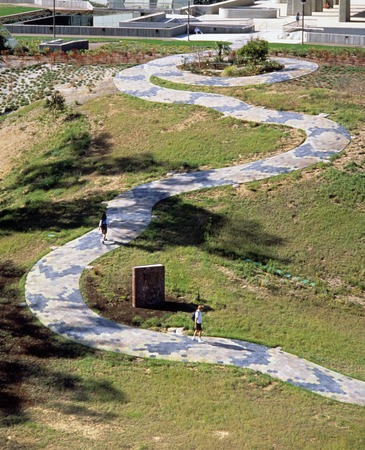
column 255, row 51
column 222, row 49
column 56, row 102
column 3, row 45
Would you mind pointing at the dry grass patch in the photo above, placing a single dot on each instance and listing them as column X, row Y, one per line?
column 17, row 135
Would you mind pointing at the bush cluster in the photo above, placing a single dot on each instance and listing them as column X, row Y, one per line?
column 255, row 51
column 249, row 60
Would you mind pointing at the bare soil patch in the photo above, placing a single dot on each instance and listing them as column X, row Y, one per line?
column 14, row 140
column 120, row 309
column 82, row 94
column 354, row 152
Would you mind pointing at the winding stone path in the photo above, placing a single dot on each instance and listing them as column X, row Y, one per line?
column 52, row 286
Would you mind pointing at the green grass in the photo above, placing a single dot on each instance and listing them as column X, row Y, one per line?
column 309, row 224
column 99, row 397
column 162, row 46
column 7, row 10
column 307, row 235
column 333, row 89
column 120, row 42
column 38, row 196
column 178, row 137
column 49, row 181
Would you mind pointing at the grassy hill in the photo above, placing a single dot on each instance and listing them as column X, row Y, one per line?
column 241, row 244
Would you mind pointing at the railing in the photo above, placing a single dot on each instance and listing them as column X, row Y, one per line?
column 246, row 22
column 297, row 26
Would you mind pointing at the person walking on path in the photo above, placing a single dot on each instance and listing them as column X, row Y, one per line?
column 198, row 329
column 297, row 18
column 103, row 226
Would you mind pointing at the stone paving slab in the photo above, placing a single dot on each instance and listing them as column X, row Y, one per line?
column 52, row 286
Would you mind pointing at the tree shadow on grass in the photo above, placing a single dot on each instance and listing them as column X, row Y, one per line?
column 77, row 156
column 30, row 358
column 141, row 163
column 56, row 216
column 69, row 171
column 183, row 224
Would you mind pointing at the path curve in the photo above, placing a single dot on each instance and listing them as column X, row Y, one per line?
column 52, row 285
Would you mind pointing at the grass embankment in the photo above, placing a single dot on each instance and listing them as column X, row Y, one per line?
column 204, row 240
column 308, row 225
column 334, row 89
column 7, row 10
column 162, row 46
column 56, row 394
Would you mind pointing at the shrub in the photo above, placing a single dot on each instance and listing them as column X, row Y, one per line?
column 3, row 45
column 56, row 102
column 255, row 50
column 230, row 71
column 252, row 69
column 271, row 65
column 137, row 320
column 222, row 49
column 302, row 52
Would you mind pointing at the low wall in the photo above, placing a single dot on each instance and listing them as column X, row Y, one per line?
column 159, row 25
column 131, row 30
column 156, row 32
column 251, row 13
column 59, row 46
column 214, row 8
column 212, row 28
column 157, row 17
column 98, row 31
column 336, row 39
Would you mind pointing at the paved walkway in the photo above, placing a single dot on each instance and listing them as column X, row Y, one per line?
column 52, row 286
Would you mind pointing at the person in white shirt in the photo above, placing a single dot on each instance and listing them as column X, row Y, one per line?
column 198, row 329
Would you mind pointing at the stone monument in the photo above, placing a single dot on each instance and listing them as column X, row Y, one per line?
column 148, row 286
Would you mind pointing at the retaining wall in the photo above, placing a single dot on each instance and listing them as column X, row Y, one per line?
column 335, row 39
column 157, row 17
column 251, row 13
column 97, row 31
column 214, row 8
column 130, row 30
